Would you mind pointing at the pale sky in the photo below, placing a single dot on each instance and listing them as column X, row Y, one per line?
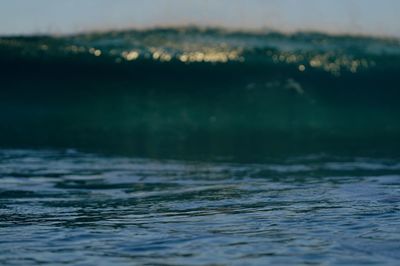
column 377, row 17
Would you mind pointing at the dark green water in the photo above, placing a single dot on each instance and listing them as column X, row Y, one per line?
column 191, row 93
column 199, row 147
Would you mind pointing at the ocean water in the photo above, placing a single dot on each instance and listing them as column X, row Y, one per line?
column 68, row 207
column 191, row 93
column 194, row 146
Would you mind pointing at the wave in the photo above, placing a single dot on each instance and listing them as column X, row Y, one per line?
column 190, row 91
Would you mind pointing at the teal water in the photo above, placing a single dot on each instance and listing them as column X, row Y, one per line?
column 199, row 147
column 191, row 93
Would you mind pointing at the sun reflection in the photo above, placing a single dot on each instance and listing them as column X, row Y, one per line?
column 302, row 68
column 192, row 47
column 210, row 56
column 332, row 62
column 95, row 52
column 130, row 55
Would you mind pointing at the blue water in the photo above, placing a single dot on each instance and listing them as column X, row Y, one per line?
column 69, row 207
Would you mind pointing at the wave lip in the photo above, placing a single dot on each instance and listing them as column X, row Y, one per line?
column 332, row 54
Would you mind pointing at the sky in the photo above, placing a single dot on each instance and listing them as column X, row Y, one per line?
column 371, row 17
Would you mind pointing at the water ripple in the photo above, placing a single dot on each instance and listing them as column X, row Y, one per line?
column 69, row 207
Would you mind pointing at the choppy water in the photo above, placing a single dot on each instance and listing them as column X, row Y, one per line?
column 59, row 207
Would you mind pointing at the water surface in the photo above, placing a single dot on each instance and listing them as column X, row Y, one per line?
column 69, row 207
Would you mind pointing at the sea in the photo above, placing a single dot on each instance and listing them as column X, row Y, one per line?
column 199, row 146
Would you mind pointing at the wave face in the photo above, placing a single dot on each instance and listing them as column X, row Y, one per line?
column 191, row 91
